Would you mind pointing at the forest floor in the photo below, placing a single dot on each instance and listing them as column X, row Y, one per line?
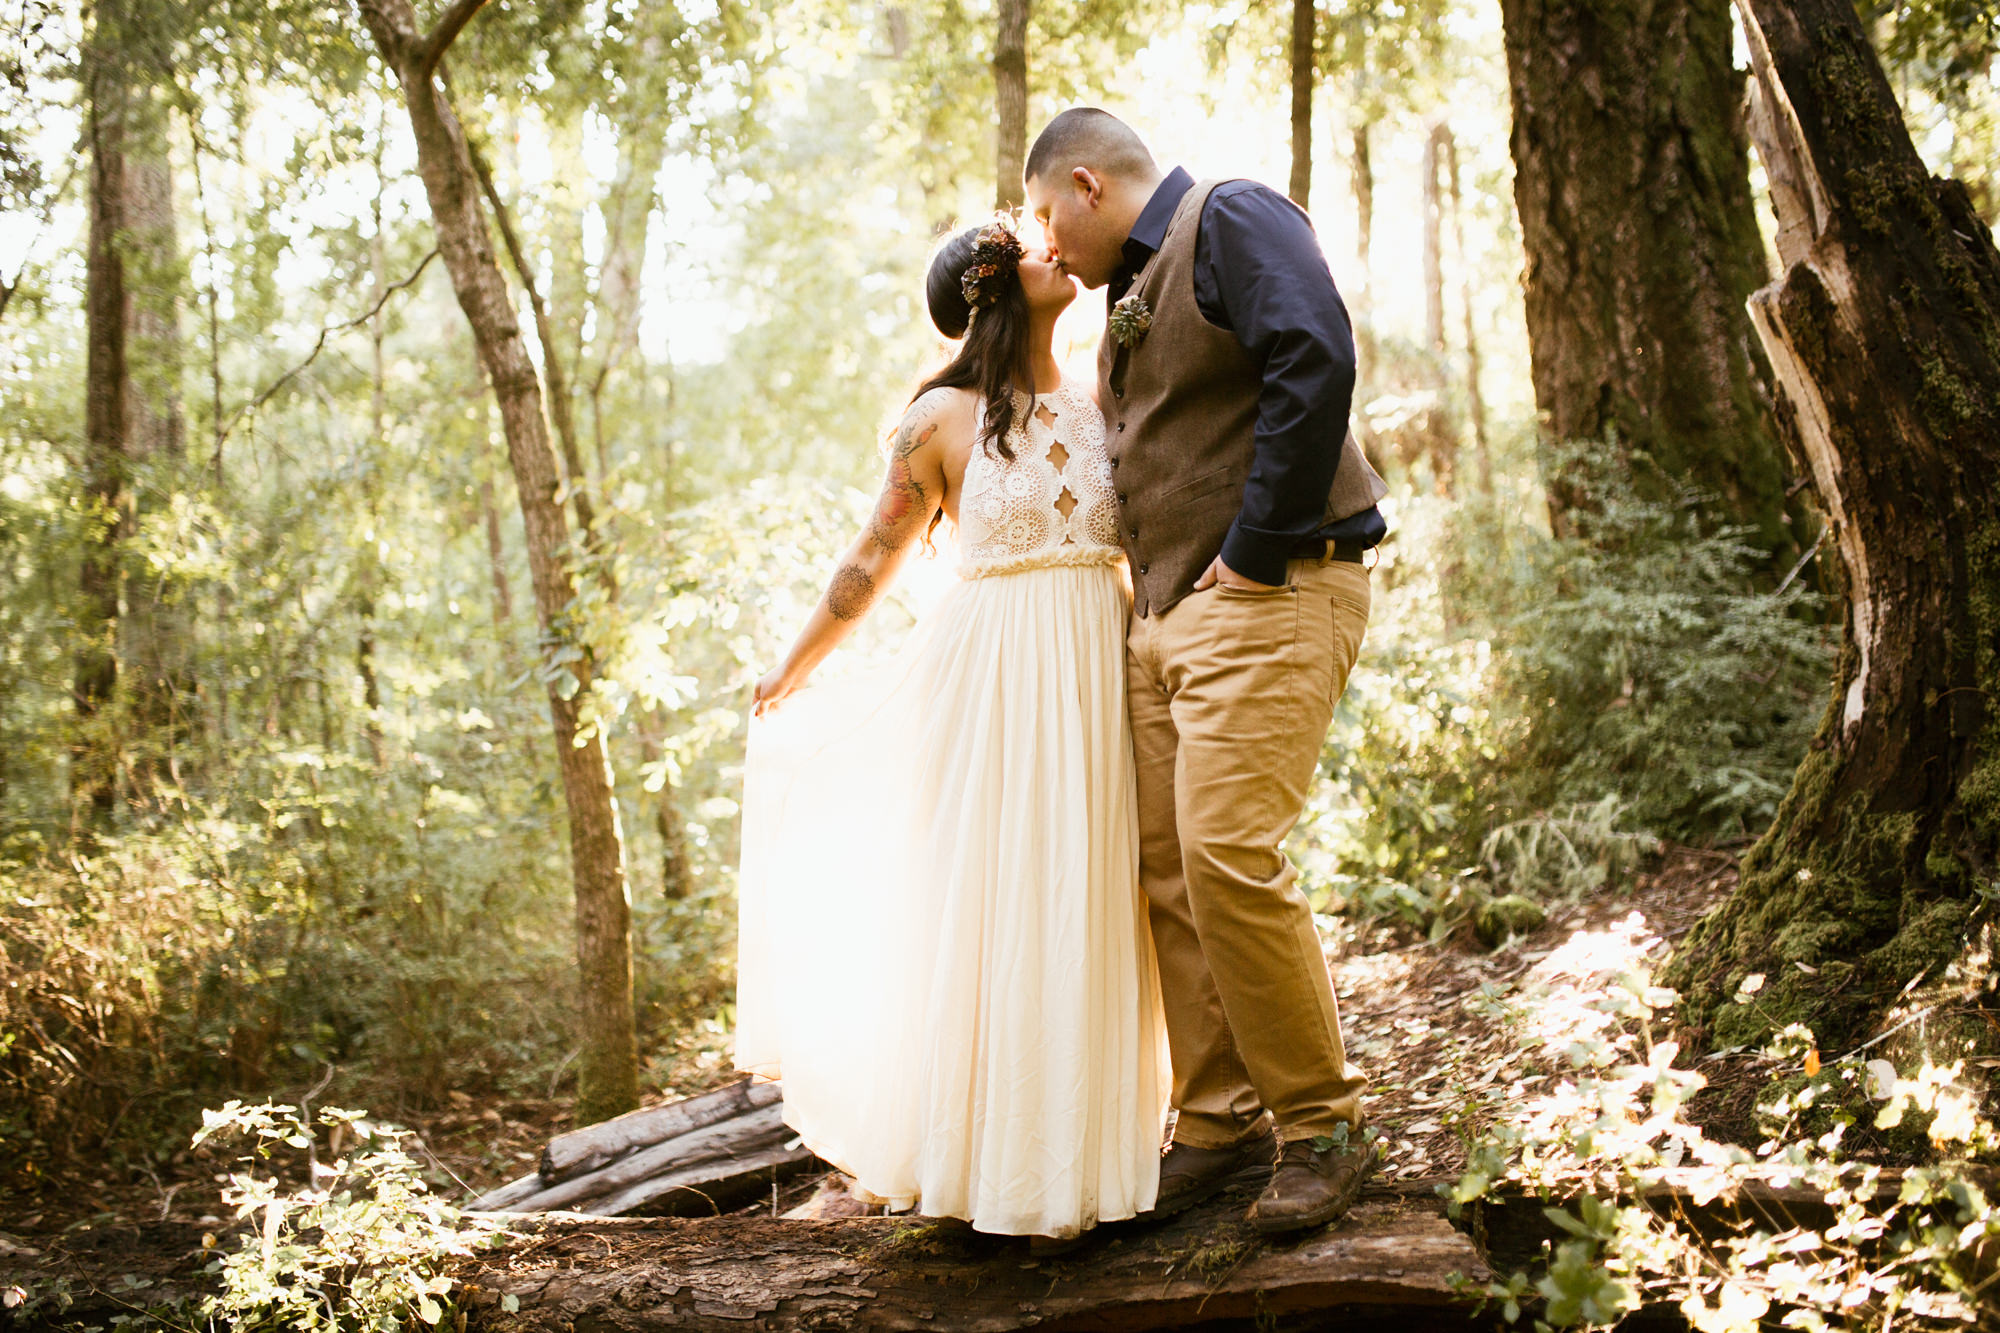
column 1449, row 1033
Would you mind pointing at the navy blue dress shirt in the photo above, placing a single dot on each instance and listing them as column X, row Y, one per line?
column 1259, row 273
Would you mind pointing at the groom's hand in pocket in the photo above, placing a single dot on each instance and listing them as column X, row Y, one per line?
column 1217, row 572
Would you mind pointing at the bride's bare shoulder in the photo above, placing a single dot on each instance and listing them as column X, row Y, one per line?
column 940, row 417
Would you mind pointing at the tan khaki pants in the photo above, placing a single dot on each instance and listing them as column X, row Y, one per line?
column 1231, row 693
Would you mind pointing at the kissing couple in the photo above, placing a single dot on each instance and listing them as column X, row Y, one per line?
column 987, row 889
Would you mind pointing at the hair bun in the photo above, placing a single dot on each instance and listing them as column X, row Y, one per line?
column 970, row 266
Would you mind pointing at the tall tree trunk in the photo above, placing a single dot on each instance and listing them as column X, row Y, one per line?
column 1305, row 44
column 628, row 216
column 135, row 640
column 1361, row 296
column 1475, row 399
column 1010, row 103
column 496, row 551
column 93, row 751
column 368, row 574
column 608, row 1067
column 1884, row 338
column 1631, row 181
column 1440, row 428
column 563, row 204
column 1433, row 219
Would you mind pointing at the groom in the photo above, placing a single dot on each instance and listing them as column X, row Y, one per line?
column 1245, row 506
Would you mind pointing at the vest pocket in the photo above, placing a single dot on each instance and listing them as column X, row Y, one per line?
column 1189, row 491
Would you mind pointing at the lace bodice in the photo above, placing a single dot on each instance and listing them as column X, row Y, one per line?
column 1053, row 504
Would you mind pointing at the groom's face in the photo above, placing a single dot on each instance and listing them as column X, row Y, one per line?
column 1081, row 236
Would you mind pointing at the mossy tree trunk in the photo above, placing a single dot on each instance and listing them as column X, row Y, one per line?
column 608, row 1064
column 1884, row 337
column 1631, row 181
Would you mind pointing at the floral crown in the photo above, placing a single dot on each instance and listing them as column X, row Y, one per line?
column 996, row 256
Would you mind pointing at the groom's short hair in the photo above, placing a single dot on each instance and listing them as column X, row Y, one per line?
column 1084, row 136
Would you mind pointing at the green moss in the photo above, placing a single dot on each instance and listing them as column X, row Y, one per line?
column 1946, row 401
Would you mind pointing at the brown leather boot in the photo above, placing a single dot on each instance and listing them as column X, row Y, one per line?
column 1317, row 1181
column 1189, row 1174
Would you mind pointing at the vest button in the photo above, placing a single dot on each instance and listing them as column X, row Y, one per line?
column 1114, row 462
column 1145, row 569
column 1121, row 497
column 1117, row 393
column 1121, row 425
column 1134, row 533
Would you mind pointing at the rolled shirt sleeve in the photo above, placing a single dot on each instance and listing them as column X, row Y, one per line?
column 1260, row 273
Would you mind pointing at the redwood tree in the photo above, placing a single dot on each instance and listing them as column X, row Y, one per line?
column 1883, row 334
column 1631, row 181
column 608, row 1066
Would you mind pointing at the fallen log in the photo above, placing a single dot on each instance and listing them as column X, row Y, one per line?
column 593, row 1147
column 696, row 1156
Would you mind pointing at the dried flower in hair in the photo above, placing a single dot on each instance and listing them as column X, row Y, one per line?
column 996, row 257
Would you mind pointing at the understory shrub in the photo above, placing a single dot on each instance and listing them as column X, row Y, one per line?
column 1532, row 714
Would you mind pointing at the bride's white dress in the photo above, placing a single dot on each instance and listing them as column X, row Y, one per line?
column 944, row 950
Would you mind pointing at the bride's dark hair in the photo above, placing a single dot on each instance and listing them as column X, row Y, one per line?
column 994, row 356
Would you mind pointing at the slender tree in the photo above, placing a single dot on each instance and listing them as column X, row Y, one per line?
column 1010, row 102
column 1883, row 333
column 609, row 1063
column 1631, row 181
column 1360, row 293
column 1305, row 68
column 1475, row 399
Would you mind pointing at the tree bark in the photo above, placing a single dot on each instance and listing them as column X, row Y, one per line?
column 608, row 1066
column 368, row 571
column 1360, row 297
column 1441, row 427
column 1010, row 103
column 1305, row 43
column 1475, row 399
column 132, row 635
column 1884, row 336
column 628, row 216
column 93, row 750
column 1433, row 211
column 1631, row 182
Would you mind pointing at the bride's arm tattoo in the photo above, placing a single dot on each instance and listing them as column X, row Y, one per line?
column 850, row 594
column 905, row 505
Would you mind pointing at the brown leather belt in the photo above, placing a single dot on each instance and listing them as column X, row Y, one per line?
column 1353, row 553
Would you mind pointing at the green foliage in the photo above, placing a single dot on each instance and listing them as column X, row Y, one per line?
column 1615, row 1127
column 1534, row 713
column 1646, row 655
column 361, row 1246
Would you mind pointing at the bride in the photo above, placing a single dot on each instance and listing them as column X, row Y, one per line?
column 944, row 950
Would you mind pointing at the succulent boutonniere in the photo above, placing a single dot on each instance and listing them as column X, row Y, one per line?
column 1130, row 319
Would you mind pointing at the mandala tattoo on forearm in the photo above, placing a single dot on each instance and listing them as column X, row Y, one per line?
column 904, row 503
column 850, row 594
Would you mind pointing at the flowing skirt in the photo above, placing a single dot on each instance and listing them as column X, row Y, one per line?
column 944, row 950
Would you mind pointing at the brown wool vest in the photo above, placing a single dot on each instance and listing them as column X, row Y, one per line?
column 1180, row 413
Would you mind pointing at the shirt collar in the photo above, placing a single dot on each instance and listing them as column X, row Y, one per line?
column 1151, row 228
